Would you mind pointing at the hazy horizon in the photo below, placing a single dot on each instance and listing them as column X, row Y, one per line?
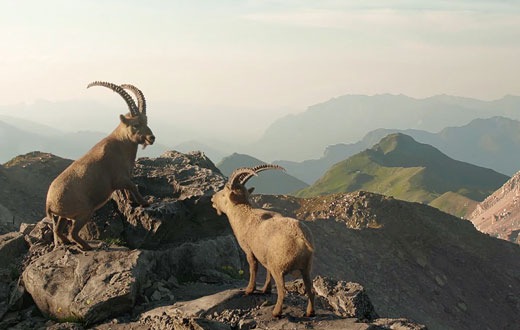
column 225, row 71
column 274, row 56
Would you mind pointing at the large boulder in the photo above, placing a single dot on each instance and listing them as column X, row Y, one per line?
column 179, row 187
column 90, row 286
column 208, row 260
column 345, row 298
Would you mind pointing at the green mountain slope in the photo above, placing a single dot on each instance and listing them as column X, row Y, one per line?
column 401, row 167
column 268, row 182
column 492, row 143
column 455, row 204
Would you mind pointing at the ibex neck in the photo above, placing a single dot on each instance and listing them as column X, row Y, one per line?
column 241, row 218
column 128, row 145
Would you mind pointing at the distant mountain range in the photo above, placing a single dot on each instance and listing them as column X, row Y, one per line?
column 268, row 182
column 15, row 141
column 303, row 136
column 348, row 118
column 214, row 154
column 493, row 143
column 401, row 167
column 172, row 123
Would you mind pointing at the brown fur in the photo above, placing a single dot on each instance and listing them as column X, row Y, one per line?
column 281, row 244
column 88, row 182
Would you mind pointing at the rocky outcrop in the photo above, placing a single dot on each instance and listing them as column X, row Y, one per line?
column 412, row 261
column 208, row 260
column 179, row 187
column 346, row 298
column 231, row 309
column 68, row 285
column 24, row 182
column 191, row 243
column 499, row 214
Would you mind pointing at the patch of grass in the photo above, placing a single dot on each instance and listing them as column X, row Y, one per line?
column 454, row 203
column 234, row 273
column 114, row 241
column 66, row 319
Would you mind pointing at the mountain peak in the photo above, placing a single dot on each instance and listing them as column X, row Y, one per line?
column 402, row 167
column 395, row 141
column 398, row 149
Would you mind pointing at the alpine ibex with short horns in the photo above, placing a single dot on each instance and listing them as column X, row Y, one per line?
column 281, row 244
column 87, row 184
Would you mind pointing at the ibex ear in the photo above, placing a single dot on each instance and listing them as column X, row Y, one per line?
column 250, row 190
column 123, row 119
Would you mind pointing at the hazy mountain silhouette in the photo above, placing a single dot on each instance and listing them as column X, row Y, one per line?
column 212, row 153
column 348, row 118
column 173, row 124
column 15, row 141
column 268, row 182
column 345, row 119
column 492, row 143
column 401, row 167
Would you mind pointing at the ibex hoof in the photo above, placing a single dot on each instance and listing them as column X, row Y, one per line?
column 277, row 314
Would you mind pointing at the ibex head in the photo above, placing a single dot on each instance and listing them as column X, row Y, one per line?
column 235, row 192
column 135, row 123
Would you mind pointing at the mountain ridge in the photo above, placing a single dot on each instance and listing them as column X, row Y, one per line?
column 348, row 118
column 402, row 167
column 472, row 143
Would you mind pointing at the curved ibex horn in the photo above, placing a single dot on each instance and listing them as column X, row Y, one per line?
column 235, row 179
column 141, row 101
column 128, row 99
column 258, row 169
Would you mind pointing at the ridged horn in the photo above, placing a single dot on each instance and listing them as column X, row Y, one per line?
column 119, row 90
column 235, row 179
column 141, row 101
column 258, row 169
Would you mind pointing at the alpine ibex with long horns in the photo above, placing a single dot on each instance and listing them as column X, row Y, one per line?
column 87, row 184
column 281, row 244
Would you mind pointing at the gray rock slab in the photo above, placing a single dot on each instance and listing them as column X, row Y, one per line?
column 87, row 286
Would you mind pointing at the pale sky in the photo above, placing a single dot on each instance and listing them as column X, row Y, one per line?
column 272, row 55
